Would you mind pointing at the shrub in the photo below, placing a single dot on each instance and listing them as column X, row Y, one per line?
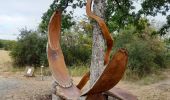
column 30, row 49
column 76, row 48
column 145, row 53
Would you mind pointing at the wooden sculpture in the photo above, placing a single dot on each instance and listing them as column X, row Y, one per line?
column 111, row 75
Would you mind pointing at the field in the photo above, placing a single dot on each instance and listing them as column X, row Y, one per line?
column 14, row 86
column 5, row 62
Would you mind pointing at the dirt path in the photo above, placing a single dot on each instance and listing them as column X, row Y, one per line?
column 21, row 88
column 157, row 91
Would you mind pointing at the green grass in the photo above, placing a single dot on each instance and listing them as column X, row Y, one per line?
column 73, row 70
column 78, row 70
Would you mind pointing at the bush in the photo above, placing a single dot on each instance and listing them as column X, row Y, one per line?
column 30, row 49
column 76, row 48
column 145, row 53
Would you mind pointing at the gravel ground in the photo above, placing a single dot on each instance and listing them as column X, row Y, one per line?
column 22, row 88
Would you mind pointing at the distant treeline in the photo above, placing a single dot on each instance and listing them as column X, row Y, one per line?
column 7, row 44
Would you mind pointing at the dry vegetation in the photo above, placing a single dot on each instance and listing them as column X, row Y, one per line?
column 5, row 62
column 155, row 87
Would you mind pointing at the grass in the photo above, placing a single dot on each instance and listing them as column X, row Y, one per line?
column 74, row 71
column 5, row 61
column 78, row 70
column 46, row 71
column 151, row 78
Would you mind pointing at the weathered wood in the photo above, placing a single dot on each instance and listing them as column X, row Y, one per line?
column 55, row 97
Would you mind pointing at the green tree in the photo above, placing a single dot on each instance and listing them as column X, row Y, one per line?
column 153, row 7
column 67, row 21
column 121, row 13
column 118, row 14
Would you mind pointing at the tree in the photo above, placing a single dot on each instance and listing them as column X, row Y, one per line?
column 119, row 14
column 67, row 21
column 97, row 60
column 153, row 7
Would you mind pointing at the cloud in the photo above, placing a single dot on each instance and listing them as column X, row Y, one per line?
column 17, row 14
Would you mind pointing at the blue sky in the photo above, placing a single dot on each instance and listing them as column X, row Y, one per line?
column 17, row 14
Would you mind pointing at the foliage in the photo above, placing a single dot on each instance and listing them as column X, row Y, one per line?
column 1, row 44
column 84, row 26
column 118, row 14
column 78, row 70
column 67, row 21
column 30, row 49
column 146, row 53
column 7, row 44
column 76, row 48
column 153, row 7
column 167, row 41
column 121, row 13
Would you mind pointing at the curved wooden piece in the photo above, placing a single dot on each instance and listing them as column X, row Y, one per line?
column 65, row 87
column 84, row 80
column 96, row 97
column 54, row 30
column 71, row 93
column 105, row 31
column 114, row 92
column 54, row 52
column 121, row 94
column 111, row 75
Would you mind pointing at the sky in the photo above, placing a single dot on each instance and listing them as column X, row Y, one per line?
column 18, row 14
